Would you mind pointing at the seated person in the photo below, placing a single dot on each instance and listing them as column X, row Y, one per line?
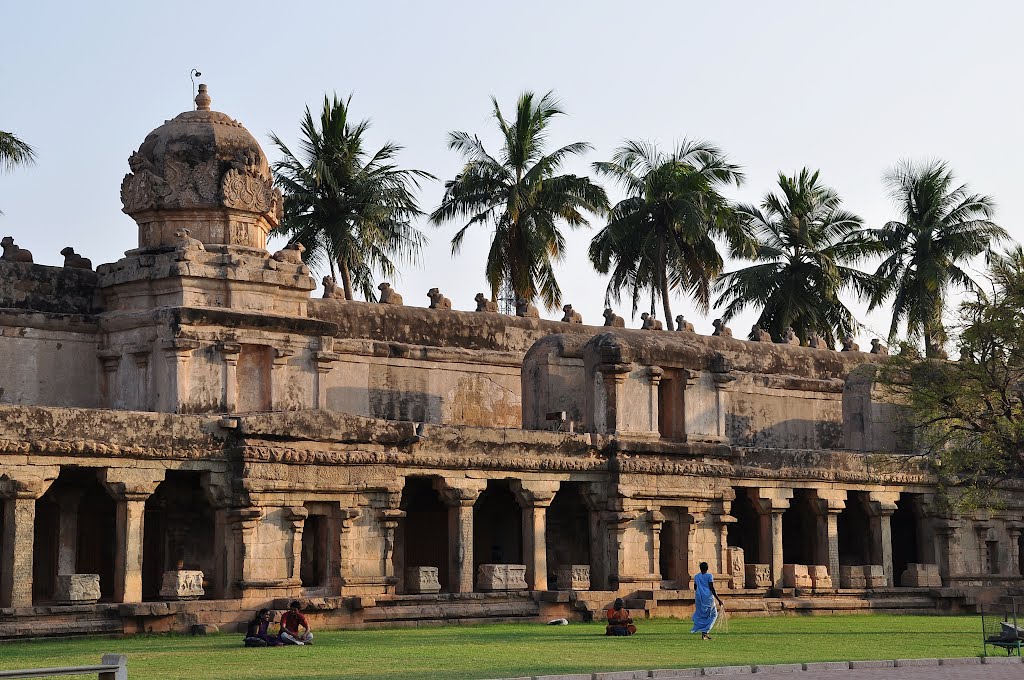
column 291, row 621
column 619, row 620
column 257, row 631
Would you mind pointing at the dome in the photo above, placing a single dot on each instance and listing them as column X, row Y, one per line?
column 203, row 171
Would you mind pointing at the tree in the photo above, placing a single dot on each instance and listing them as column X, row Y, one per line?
column 350, row 209
column 521, row 195
column 661, row 237
column 806, row 243
column 968, row 415
column 941, row 226
column 14, row 152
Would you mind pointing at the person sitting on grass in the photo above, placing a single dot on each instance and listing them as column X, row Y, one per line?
column 619, row 620
column 704, row 611
column 291, row 621
column 257, row 632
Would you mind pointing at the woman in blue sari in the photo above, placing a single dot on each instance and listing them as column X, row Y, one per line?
column 704, row 613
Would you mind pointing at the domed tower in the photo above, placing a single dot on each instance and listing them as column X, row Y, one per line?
column 202, row 170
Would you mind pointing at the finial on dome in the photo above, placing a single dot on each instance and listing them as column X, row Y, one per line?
column 203, row 99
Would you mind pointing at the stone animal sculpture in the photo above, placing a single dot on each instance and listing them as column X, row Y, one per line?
column 331, row 289
column 187, row 245
column 291, row 253
column 758, row 334
column 74, row 260
column 849, row 345
column 683, row 325
column 935, row 351
column 388, row 296
column 571, row 316
column 438, row 301
column 814, row 341
column 721, row 330
column 789, row 337
column 13, row 253
column 485, row 305
column 612, row 319
column 878, row 348
column 527, row 309
column 650, row 323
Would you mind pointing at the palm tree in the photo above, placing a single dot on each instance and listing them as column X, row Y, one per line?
column 350, row 209
column 522, row 196
column 661, row 237
column 805, row 244
column 14, row 152
column 941, row 226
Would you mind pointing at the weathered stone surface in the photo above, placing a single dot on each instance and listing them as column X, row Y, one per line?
column 921, row 576
column 758, row 575
column 422, row 580
column 737, row 568
column 573, row 577
column 501, row 577
column 78, row 588
column 796, row 576
column 819, row 576
column 182, row 585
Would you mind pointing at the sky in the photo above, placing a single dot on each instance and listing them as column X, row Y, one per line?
column 848, row 88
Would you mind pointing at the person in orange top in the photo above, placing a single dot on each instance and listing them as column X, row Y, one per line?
column 619, row 620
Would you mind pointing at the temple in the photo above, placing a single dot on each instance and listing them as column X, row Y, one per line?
column 186, row 436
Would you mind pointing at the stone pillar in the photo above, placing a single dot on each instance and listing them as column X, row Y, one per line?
column 880, row 506
column 460, row 495
column 278, row 377
column 297, row 516
column 323, row 361
column 617, row 523
column 389, row 518
column 110, row 359
column 1013, row 530
column 655, row 520
column 19, row 492
column 346, row 523
column 130, row 487
column 178, row 352
column 534, row 497
column 654, row 374
column 595, row 498
column 229, row 352
column 141, row 355
column 771, row 504
column 243, row 525
column 829, row 504
column 948, row 549
column 696, row 513
column 67, row 538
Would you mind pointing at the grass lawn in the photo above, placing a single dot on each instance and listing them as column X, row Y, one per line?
column 511, row 650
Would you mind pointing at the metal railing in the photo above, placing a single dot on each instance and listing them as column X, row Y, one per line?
column 110, row 667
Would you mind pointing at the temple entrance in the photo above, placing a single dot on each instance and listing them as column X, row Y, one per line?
column 178, row 531
column 45, row 547
column 313, row 558
column 800, row 529
column 745, row 532
column 497, row 526
column 424, row 531
column 567, row 531
column 854, row 528
column 903, row 526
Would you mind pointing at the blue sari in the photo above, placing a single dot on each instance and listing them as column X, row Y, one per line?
column 704, row 613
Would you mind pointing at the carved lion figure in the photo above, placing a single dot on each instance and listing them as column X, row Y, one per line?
column 13, row 253
column 438, row 301
column 849, row 345
column 789, row 337
column 758, row 334
column 683, row 325
column 650, row 323
column 291, row 253
column 526, row 309
column 74, row 260
column 331, row 289
column 878, row 348
column 612, row 319
column 186, row 244
column 485, row 305
column 571, row 316
column 721, row 330
column 388, row 296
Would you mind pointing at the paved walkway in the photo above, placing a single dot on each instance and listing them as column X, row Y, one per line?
column 973, row 672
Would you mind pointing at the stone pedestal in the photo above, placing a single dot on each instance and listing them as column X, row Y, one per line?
column 573, row 577
column 758, row 575
column 501, row 577
column 796, row 576
column 182, row 585
column 875, row 576
column 852, row 577
column 921, row 576
column 819, row 576
column 78, row 588
column 421, row 580
column 737, row 569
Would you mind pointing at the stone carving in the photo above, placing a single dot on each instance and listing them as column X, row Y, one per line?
column 74, row 260
column 758, row 334
column 849, row 345
column 875, row 576
column 13, row 253
column 290, row 254
column 789, row 337
column 820, row 578
column 573, row 577
column 438, row 301
column 421, row 580
column 331, row 289
column 683, row 325
column 814, row 341
column 612, row 319
column 795, row 576
column 78, row 588
column 721, row 330
column 878, row 348
column 737, row 568
column 182, row 585
column 245, row 188
column 758, row 576
column 571, row 316
column 501, row 577
column 187, row 246
column 485, row 305
column 388, row 296
column 650, row 323
column 527, row 309
column 921, row 576
column 862, row 576
column 141, row 189
column 190, row 186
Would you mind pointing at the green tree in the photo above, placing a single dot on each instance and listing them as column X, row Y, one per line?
column 350, row 209
column 806, row 243
column 941, row 226
column 661, row 237
column 522, row 197
column 14, row 152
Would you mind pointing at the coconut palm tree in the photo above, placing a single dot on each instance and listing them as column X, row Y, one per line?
column 350, row 209
column 14, row 152
column 520, row 194
column 941, row 226
column 661, row 237
column 805, row 244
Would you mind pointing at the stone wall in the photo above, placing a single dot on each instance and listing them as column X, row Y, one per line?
column 36, row 287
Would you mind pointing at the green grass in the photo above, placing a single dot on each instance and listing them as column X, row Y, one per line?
column 511, row 650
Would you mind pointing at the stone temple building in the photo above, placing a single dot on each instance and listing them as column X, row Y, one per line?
column 186, row 436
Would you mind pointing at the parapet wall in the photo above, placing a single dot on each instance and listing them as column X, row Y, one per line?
column 36, row 287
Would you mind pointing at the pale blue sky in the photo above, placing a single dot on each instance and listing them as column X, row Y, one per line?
column 850, row 88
